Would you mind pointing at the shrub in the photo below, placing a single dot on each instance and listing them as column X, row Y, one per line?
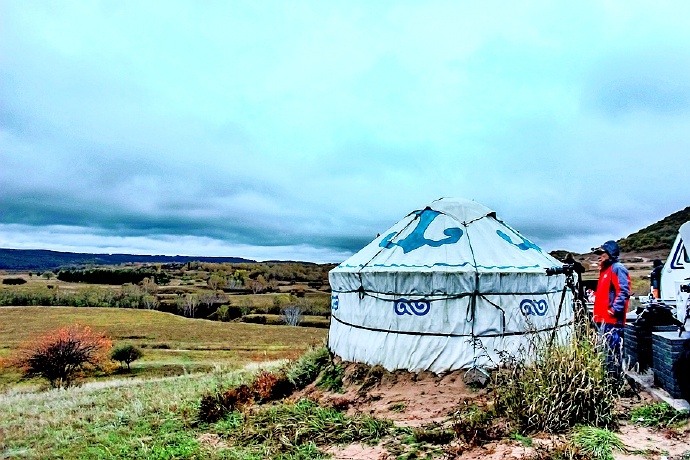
column 256, row 319
column 60, row 356
column 271, row 385
column 126, row 354
column 266, row 386
column 316, row 321
column 557, row 387
column 13, row 281
column 213, row 407
column 228, row 312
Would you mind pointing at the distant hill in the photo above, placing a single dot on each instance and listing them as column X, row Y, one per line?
column 39, row 259
column 660, row 235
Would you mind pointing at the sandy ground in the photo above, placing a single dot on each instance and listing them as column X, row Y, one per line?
column 415, row 400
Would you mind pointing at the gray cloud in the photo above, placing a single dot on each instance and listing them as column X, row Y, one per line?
column 229, row 128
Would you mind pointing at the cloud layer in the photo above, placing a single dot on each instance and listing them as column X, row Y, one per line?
column 300, row 130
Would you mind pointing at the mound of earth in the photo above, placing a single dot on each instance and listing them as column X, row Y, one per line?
column 426, row 401
column 409, row 399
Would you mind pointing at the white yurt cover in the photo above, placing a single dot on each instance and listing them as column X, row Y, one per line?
column 448, row 287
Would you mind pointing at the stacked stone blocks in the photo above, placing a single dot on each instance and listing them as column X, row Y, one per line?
column 637, row 344
column 666, row 349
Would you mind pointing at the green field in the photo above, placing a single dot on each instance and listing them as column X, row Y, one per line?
column 117, row 419
column 172, row 344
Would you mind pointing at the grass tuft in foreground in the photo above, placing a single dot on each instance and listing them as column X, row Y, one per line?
column 659, row 415
column 308, row 366
column 598, row 443
column 286, row 430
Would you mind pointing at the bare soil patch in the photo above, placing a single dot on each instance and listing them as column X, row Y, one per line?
column 424, row 400
column 409, row 399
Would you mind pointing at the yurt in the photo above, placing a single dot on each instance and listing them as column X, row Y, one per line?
column 448, row 287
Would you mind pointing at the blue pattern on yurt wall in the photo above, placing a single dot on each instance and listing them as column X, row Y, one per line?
column 534, row 307
column 411, row 307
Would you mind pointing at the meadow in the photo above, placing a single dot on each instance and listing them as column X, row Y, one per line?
column 118, row 419
column 171, row 344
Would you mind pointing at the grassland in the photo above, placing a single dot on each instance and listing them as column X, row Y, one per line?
column 172, row 344
column 136, row 419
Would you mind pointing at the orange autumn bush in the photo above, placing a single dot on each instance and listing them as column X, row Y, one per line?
column 62, row 355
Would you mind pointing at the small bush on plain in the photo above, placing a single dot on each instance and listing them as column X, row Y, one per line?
column 13, row 281
column 126, row 354
column 60, row 356
column 228, row 312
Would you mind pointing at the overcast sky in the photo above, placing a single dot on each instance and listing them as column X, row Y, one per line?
column 300, row 130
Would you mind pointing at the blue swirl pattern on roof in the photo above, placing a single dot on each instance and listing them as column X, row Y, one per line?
column 416, row 239
column 524, row 246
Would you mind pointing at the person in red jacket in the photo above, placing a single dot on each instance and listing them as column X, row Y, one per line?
column 611, row 303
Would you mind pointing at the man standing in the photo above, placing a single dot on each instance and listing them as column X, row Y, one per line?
column 655, row 278
column 611, row 303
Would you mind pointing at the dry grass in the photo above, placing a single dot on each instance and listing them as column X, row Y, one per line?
column 172, row 344
column 558, row 387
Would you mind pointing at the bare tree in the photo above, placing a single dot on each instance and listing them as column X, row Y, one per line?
column 233, row 283
column 188, row 304
column 209, row 298
column 292, row 315
column 150, row 302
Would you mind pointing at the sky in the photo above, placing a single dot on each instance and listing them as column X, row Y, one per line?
column 299, row 130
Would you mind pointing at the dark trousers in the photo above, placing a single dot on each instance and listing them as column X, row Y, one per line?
column 612, row 336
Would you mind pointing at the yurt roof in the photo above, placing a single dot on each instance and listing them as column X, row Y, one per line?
column 450, row 234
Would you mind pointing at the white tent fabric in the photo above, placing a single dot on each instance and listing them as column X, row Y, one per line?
column 448, row 287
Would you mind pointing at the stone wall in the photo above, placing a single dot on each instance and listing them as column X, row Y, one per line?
column 637, row 344
column 666, row 349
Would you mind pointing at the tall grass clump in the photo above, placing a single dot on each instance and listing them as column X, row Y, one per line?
column 307, row 367
column 557, row 386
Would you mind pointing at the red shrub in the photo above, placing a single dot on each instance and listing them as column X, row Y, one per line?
column 213, row 407
column 61, row 355
column 263, row 385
